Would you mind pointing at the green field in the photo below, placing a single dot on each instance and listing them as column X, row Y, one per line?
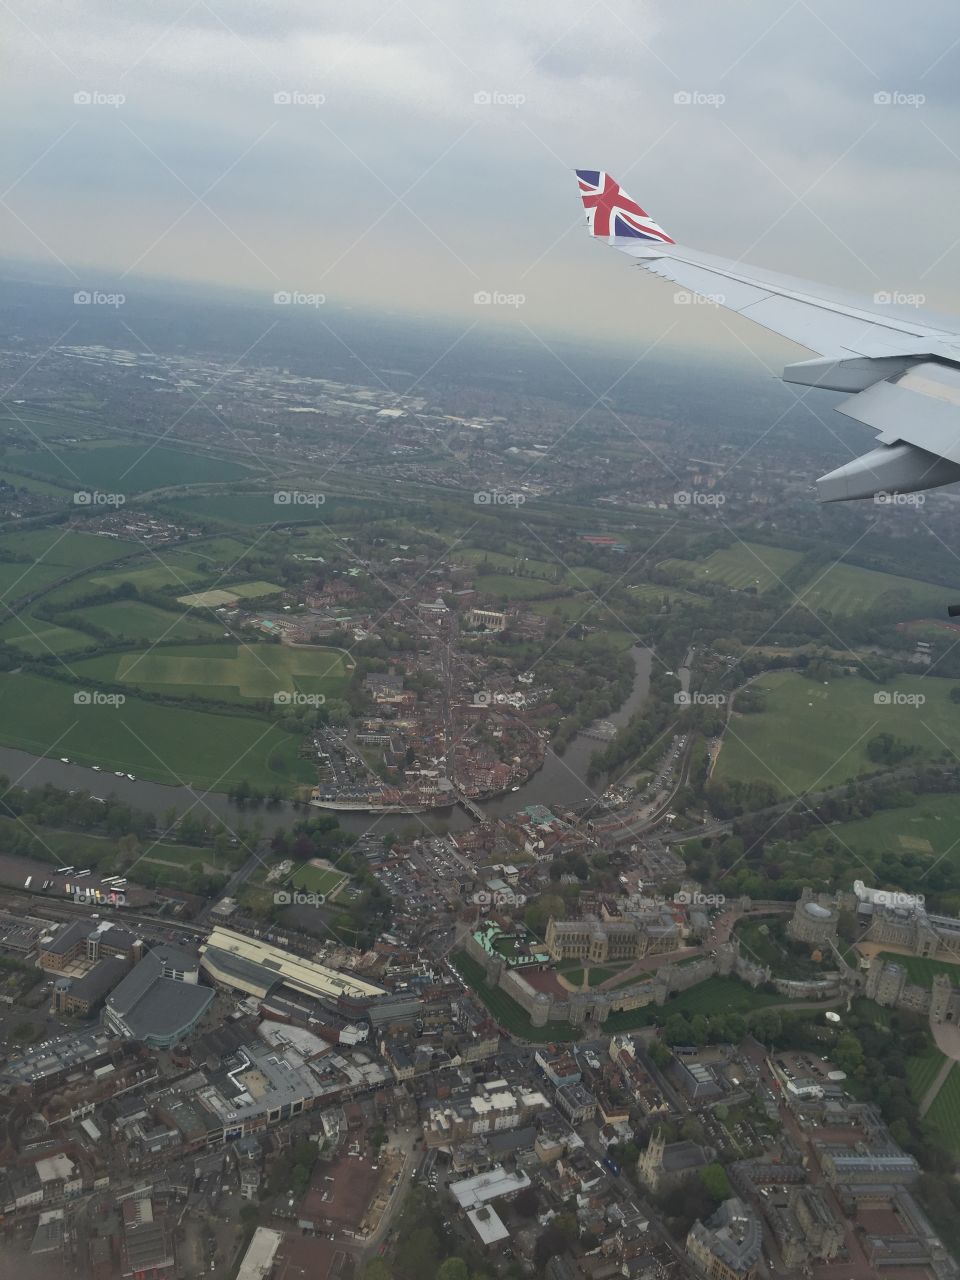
column 134, row 620
column 38, row 638
column 53, row 423
column 125, row 468
column 165, row 744
column 922, row 970
column 944, row 1116
column 225, row 670
column 18, row 579
column 505, row 587
column 63, row 546
column 148, row 573
column 815, row 735
column 926, row 829
column 843, row 589
column 253, row 508
column 743, row 566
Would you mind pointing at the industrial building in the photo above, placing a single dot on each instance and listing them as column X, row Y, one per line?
column 160, row 1001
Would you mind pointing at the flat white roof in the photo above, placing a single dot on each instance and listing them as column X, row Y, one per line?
column 488, row 1225
column 261, row 1251
column 471, row 1193
column 296, row 971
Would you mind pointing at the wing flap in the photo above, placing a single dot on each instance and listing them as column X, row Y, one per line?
column 921, row 408
column 822, row 320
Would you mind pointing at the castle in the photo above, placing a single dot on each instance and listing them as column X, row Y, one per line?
column 815, row 919
column 896, row 919
column 596, row 941
column 888, row 983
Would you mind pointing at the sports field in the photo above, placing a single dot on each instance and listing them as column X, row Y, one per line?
column 320, row 879
column 176, row 745
column 815, row 735
column 929, row 829
column 844, row 590
column 230, row 594
column 944, row 1115
column 742, row 566
column 226, row 670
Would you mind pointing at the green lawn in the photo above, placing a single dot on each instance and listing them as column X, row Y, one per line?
column 165, row 744
column 944, row 1115
column 922, row 970
column 229, row 671
column 922, row 1070
column 815, row 735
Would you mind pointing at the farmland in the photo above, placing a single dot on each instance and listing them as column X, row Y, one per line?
column 829, row 728
column 124, row 468
column 135, row 620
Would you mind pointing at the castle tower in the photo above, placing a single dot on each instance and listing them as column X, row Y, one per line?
column 940, row 997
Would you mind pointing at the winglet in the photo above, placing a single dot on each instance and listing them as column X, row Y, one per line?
column 611, row 212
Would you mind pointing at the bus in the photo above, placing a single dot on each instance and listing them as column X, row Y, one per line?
column 119, row 884
column 28, row 882
column 83, row 873
column 64, row 871
column 109, row 879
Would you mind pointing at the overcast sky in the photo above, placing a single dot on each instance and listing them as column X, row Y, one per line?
column 385, row 181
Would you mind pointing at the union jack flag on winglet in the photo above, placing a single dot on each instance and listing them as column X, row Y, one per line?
column 611, row 212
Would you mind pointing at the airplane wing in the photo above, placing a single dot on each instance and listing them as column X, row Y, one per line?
column 902, row 368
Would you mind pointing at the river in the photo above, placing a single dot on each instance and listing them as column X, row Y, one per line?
column 559, row 782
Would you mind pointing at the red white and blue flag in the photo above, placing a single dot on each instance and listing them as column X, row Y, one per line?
column 611, row 212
